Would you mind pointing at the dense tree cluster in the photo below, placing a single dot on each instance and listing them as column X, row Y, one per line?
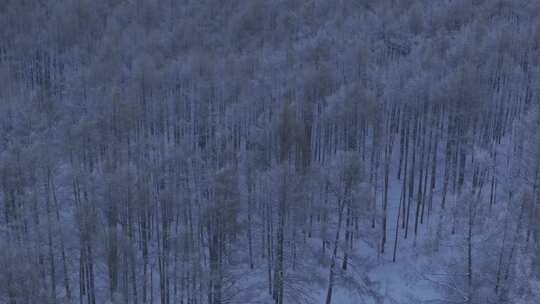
column 205, row 151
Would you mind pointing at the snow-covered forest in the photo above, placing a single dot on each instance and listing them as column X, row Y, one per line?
column 269, row 151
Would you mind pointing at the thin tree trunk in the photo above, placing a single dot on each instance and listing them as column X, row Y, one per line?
column 333, row 259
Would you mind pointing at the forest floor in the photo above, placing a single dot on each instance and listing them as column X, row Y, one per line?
column 375, row 278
